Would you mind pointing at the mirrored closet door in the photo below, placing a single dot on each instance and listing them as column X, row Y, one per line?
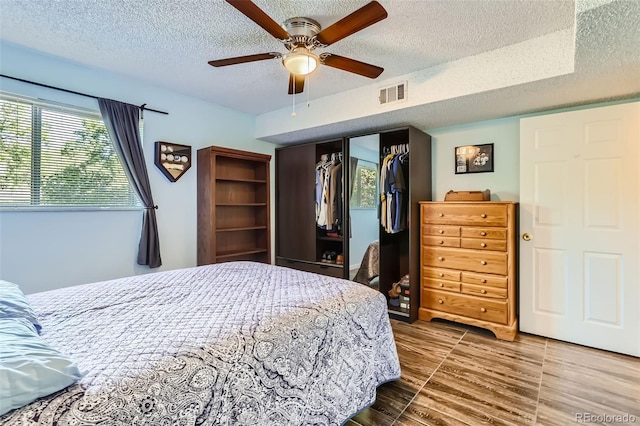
column 364, row 197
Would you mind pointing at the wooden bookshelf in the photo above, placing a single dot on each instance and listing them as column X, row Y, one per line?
column 233, row 206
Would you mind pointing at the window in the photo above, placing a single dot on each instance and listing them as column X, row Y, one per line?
column 53, row 156
column 365, row 186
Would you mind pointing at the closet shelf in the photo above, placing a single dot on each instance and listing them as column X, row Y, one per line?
column 241, row 204
column 395, row 311
column 235, row 253
column 324, row 238
column 328, row 265
column 230, row 179
column 244, row 228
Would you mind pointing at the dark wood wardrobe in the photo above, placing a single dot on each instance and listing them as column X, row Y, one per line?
column 301, row 243
column 400, row 252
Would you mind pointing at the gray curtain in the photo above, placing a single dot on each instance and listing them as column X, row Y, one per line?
column 353, row 164
column 122, row 122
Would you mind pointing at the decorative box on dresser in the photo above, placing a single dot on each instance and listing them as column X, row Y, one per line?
column 233, row 206
column 468, row 264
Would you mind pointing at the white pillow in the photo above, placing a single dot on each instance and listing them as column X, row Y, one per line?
column 13, row 304
column 29, row 367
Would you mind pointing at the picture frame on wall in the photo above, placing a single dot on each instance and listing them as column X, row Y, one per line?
column 172, row 159
column 474, row 158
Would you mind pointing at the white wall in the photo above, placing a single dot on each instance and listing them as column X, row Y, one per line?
column 504, row 182
column 532, row 60
column 43, row 250
column 504, row 133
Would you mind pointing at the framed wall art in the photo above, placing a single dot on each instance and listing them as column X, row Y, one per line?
column 474, row 158
column 172, row 159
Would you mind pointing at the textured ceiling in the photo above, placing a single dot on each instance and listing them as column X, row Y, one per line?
column 168, row 43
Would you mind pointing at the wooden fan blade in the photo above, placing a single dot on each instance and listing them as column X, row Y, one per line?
column 296, row 82
column 350, row 65
column 367, row 15
column 243, row 59
column 253, row 12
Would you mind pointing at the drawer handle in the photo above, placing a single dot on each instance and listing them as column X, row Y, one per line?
column 484, row 234
column 441, row 274
column 484, row 262
column 483, row 281
column 441, row 231
column 441, row 285
column 483, row 310
column 440, row 301
column 484, row 216
column 483, row 245
column 440, row 242
column 441, row 214
column 483, row 291
column 440, row 258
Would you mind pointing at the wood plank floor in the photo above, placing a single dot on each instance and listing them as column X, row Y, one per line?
column 458, row 375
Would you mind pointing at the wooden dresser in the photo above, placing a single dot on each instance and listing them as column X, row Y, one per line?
column 468, row 264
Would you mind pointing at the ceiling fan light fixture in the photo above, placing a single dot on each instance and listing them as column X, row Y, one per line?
column 301, row 61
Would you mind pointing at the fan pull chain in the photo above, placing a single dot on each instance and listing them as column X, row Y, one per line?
column 306, row 77
column 293, row 113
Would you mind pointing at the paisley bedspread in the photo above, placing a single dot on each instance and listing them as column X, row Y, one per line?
column 237, row 343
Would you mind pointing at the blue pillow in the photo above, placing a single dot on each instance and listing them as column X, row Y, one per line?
column 29, row 367
column 13, row 304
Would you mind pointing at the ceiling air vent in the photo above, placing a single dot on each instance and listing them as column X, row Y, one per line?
column 395, row 93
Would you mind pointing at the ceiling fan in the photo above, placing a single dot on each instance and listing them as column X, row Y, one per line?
column 302, row 35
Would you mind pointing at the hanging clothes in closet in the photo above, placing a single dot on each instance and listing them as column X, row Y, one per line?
column 328, row 192
column 393, row 188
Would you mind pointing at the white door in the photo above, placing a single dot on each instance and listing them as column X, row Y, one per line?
column 580, row 205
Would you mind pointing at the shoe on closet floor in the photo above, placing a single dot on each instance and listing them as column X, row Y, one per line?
column 340, row 259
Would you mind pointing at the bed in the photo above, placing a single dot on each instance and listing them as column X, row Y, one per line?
column 239, row 343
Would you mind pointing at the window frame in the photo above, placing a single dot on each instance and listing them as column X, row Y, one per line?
column 357, row 194
column 82, row 113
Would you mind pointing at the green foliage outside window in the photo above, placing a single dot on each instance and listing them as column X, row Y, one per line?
column 365, row 186
column 53, row 156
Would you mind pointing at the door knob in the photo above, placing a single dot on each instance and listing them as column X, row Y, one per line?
column 526, row 236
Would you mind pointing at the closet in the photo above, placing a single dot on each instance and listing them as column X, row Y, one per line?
column 310, row 233
column 400, row 241
column 233, row 206
column 303, row 241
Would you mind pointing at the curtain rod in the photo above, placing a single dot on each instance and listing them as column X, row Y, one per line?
column 142, row 107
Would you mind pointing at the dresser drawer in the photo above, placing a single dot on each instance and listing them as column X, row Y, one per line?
column 484, row 291
column 468, row 260
column 469, row 306
column 477, row 214
column 480, row 244
column 490, row 233
column 444, row 231
column 432, row 240
column 444, row 274
column 441, row 284
column 484, row 280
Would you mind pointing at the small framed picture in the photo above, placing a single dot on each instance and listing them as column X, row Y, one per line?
column 474, row 158
column 172, row 159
